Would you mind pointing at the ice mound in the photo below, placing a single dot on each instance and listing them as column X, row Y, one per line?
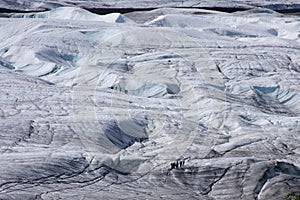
column 251, row 27
column 143, row 88
column 88, row 102
column 126, row 132
column 277, row 100
column 147, row 16
column 62, row 57
column 74, row 13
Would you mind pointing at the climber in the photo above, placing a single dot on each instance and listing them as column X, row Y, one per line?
column 176, row 165
column 172, row 165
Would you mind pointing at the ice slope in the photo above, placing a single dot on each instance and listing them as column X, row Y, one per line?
column 93, row 108
column 102, row 6
column 73, row 13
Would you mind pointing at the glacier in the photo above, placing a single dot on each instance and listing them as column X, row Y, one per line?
column 98, row 106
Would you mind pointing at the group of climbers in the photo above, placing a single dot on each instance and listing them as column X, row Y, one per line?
column 176, row 165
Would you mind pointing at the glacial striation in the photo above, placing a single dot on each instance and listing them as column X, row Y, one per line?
column 99, row 106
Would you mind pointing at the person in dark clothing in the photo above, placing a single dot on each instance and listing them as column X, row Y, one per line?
column 176, row 165
column 172, row 165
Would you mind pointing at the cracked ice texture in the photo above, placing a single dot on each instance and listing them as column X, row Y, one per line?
column 98, row 106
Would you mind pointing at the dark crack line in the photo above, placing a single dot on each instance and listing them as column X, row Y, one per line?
column 215, row 182
column 242, row 145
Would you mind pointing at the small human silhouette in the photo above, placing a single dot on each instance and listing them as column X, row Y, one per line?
column 172, row 165
column 177, row 164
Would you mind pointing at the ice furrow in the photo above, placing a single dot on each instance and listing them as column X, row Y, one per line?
column 99, row 106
